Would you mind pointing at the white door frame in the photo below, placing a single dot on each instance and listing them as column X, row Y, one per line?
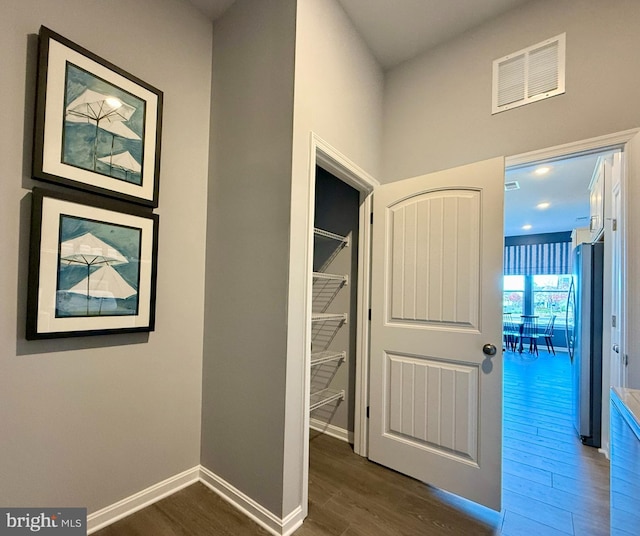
column 330, row 159
column 618, row 377
column 344, row 169
column 617, row 140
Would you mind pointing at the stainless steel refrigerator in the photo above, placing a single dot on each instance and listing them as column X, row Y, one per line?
column 584, row 341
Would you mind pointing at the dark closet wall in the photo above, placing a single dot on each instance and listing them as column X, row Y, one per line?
column 336, row 210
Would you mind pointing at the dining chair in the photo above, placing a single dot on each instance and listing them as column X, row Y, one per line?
column 529, row 330
column 510, row 331
column 548, row 335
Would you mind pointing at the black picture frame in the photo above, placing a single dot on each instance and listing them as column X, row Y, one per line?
column 97, row 127
column 92, row 266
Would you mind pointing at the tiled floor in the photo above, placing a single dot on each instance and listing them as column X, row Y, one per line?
column 552, row 484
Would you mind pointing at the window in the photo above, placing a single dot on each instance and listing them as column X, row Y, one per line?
column 550, row 295
column 540, row 295
column 513, row 294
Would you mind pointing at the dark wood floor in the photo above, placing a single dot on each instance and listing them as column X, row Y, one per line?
column 552, row 485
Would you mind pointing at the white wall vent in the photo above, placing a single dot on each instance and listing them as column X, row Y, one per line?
column 529, row 75
column 511, row 185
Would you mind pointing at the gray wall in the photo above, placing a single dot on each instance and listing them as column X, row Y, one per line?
column 248, row 248
column 339, row 85
column 438, row 106
column 89, row 421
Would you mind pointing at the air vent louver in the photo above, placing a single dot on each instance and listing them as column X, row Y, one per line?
column 511, row 87
column 511, row 185
column 529, row 75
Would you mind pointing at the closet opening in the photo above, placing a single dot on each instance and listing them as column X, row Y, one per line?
column 336, row 347
column 334, row 307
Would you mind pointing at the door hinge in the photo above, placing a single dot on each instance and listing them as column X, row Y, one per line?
column 625, row 360
column 369, row 314
column 614, row 224
column 372, row 218
column 613, row 321
column 367, row 412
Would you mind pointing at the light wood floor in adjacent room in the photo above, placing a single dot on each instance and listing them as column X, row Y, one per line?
column 552, row 485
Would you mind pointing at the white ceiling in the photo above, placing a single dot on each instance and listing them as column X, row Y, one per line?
column 212, row 8
column 565, row 187
column 398, row 30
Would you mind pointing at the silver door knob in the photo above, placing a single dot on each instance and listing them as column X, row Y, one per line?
column 489, row 349
column 616, row 348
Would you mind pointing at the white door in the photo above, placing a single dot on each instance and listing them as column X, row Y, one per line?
column 435, row 397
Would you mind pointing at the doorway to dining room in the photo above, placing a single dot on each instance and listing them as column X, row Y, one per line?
column 550, row 479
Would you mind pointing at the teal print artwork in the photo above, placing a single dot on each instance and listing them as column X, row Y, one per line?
column 98, row 268
column 103, row 129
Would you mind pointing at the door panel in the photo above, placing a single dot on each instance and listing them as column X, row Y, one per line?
column 435, row 398
column 430, row 234
column 432, row 405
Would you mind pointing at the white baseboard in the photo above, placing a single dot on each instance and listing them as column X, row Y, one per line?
column 249, row 507
column 604, row 450
column 331, row 430
column 244, row 503
column 142, row 499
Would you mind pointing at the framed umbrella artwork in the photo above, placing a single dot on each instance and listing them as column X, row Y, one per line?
column 92, row 266
column 97, row 127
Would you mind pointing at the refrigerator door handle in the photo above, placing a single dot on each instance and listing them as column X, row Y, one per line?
column 570, row 299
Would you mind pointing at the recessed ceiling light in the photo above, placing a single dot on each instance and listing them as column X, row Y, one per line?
column 542, row 170
column 542, row 206
column 526, row 227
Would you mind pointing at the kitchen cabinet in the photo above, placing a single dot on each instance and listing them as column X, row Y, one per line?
column 580, row 235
